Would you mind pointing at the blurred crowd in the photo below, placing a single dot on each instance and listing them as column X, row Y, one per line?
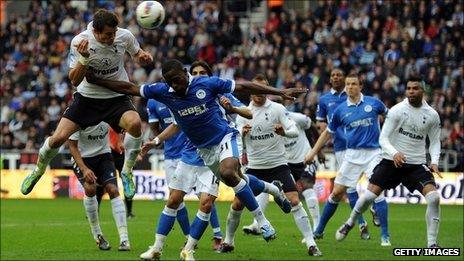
column 385, row 41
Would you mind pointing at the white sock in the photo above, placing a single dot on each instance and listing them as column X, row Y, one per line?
column 46, row 154
column 361, row 205
column 233, row 220
column 119, row 215
column 191, row 243
column 159, row 242
column 313, row 205
column 271, row 189
column 432, row 216
column 263, row 200
column 91, row 209
column 132, row 147
column 302, row 222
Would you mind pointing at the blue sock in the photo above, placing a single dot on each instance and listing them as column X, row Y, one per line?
column 199, row 224
column 382, row 212
column 329, row 209
column 166, row 221
column 256, row 185
column 352, row 198
column 244, row 193
column 183, row 219
column 214, row 220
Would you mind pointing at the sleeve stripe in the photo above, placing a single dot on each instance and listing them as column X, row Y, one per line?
column 321, row 118
column 232, row 88
column 141, row 91
column 152, row 120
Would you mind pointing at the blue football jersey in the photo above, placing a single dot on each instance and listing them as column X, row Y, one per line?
column 325, row 109
column 158, row 112
column 359, row 122
column 190, row 155
column 197, row 113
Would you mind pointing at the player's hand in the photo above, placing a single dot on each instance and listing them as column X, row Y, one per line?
column 291, row 93
column 145, row 58
column 83, row 48
column 244, row 160
column 146, row 147
column 321, row 158
column 309, row 157
column 246, row 129
column 399, row 159
column 226, row 103
column 435, row 170
column 89, row 176
column 279, row 129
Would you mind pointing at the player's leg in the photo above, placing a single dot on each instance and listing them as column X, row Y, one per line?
column 422, row 179
column 259, row 184
column 298, row 212
column 217, row 234
column 307, row 181
column 107, row 178
column 180, row 183
column 119, row 163
column 208, row 186
column 253, row 229
column 232, row 222
column 48, row 151
column 329, row 209
column 131, row 122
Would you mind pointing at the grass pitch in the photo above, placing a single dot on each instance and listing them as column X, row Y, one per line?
column 58, row 230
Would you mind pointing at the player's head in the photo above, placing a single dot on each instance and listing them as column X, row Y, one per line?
column 415, row 90
column 337, row 79
column 105, row 24
column 353, row 85
column 175, row 76
column 200, row 68
column 259, row 99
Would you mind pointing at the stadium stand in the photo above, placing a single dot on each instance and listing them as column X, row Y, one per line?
column 386, row 41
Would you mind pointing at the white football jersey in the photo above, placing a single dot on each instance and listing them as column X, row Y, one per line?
column 296, row 148
column 265, row 148
column 93, row 140
column 405, row 130
column 106, row 61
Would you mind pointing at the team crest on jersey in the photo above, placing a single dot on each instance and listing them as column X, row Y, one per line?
column 368, row 108
column 105, row 61
column 201, row 94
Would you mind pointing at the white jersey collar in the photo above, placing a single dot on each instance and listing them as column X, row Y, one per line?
column 333, row 91
column 349, row 103
column 266, row 104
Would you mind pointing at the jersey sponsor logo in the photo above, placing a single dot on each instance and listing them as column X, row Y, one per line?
column 262, row 137
column 410, row 134
column 201, row 94
column 290, row 144
column 105, row 72
column 368, row 108
column 195, row 110
column 97, row 137
column 362, row 123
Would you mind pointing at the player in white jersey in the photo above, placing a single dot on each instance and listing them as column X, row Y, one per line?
column 93, row 163
column 100, row 49
column 304, row 175
column 264, row 139
column 403, row 142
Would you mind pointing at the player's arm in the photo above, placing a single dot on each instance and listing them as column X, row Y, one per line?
column 321, row 116
column 155, row 128
column 287, row 126
column 257, row 88
column 89, row 176
column 117, row 86
column 166, row 134
column 79, row 60
column 323, row 138
column 388, row 128
column 312, row 134
column 143, row 57
column 240, row 110
column 435, row 146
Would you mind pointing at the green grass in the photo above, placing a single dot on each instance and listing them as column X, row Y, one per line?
column 57, row 229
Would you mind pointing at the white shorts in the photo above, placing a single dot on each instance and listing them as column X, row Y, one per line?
column 229, row 147
column 355, row 163
column 339, row 156
column 170, row 166
column 188, row 177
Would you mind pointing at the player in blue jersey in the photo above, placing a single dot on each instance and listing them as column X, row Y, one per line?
column 358, row 118
column 325, row 109
column 159, row 118
column 193, row 102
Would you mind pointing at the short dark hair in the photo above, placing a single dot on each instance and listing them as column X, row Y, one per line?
column 203, row 64
column 261, row 77
column 355, row 75
column 104, row 17
column 170, row 65
column 417, row 78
